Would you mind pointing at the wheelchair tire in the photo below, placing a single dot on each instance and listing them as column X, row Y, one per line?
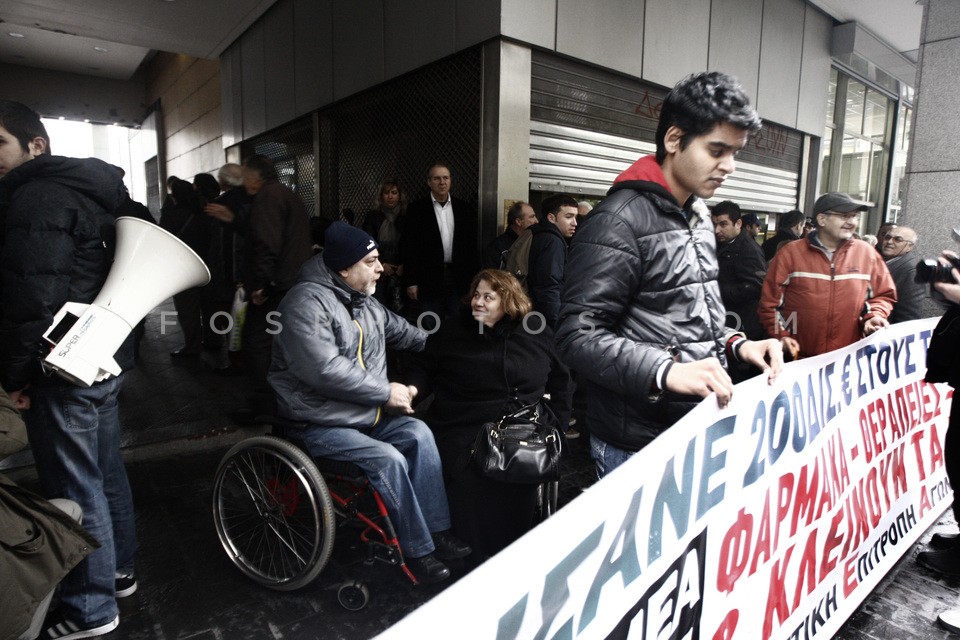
column 273, row 513
column 353, row 595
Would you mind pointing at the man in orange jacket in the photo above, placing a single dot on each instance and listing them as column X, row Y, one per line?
column 829, row 289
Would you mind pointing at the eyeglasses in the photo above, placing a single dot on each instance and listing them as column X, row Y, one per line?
column 853, row 215
column 896, row 239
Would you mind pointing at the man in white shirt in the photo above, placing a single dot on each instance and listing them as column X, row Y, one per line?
column 440, row 253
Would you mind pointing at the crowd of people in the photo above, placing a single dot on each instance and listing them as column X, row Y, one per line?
column 398, row 338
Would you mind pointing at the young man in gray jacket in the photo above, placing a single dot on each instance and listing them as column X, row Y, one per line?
column 329, row 370
column 641, row 317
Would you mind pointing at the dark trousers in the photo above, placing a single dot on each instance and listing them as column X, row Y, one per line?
column 259, row 328
column 189, row 315
column 951, row 450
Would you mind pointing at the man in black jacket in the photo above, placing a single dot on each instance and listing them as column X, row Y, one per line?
column 277, row 243
column 548, row 254
column 742, row 269
column 57, row 213
column 641, row 318
column 789, row 228
column 440, row 253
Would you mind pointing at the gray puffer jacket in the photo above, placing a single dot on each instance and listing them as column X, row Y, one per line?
column 640, row 289
column 329, row 362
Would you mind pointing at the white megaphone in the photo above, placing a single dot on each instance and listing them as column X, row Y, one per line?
column 149, row 266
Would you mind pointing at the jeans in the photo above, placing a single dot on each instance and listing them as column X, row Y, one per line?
column 400, row 459
column 606, row 456
column 75, row 437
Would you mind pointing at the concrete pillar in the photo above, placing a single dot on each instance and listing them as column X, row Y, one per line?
column 505, row 144
column 932, row 197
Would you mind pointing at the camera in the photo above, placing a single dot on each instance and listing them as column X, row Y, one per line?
column 930, row 271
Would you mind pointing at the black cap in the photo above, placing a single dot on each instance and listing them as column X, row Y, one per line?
column 345, row 245
column 751, row 218
column 838, row 203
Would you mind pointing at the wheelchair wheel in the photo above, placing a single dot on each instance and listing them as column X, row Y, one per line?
column 273, row 513
column 353, row 595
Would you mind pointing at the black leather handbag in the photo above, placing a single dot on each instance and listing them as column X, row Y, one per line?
column 522, row 447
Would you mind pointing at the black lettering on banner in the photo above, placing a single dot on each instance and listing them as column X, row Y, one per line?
column 671, row 608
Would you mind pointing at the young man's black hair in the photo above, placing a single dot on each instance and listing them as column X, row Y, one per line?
column 553, row 205
column 701, row 101
column 23, row 123
column 727, row 208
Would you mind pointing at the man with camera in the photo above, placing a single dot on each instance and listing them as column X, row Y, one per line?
column 830, row 289
column 944, row 366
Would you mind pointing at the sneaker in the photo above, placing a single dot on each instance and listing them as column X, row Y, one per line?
column 571, row 434
column 428, row 569
column 449, row 547
column 950, row 620
column 61, row 628
column 126, row 585
column 942, row 541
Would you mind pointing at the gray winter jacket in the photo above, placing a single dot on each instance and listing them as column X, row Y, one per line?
column 640, row 289
column 329, row 362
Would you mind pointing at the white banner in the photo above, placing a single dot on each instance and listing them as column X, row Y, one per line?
column 773, row 518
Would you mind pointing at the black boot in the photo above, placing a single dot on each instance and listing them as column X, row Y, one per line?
column 428, row 569
column 450, row 547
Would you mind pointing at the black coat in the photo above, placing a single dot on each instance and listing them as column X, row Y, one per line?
column 548, row 259
column 476, row 378
column 770, row 245
column 640, row 290
column 910, row 294
column 56, row 221
column 422, row 248
column 742, row 269
column 495, row 253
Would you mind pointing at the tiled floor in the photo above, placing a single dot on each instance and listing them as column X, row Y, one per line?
column 180, row 419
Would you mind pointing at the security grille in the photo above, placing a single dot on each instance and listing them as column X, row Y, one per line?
column 398, row 129
column 291, row 149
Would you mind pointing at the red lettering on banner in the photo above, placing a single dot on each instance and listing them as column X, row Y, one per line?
column 783, row 505
column 728, row 626
column 762, row 547
column 893, row 475
column 734, row 552
column 834, row 538
column 936, row 451
column 777, row 595
column 850, row 582
column 915, row 440
column 924, row 501
column 807, row 573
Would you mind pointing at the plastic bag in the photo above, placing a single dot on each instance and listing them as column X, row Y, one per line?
column 239, row 312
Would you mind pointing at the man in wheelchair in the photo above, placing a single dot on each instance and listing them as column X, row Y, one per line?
column 329, row 371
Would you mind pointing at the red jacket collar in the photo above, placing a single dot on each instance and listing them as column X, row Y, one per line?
column 647, row 169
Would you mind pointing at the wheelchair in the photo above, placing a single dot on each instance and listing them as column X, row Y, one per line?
column 276, row 510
